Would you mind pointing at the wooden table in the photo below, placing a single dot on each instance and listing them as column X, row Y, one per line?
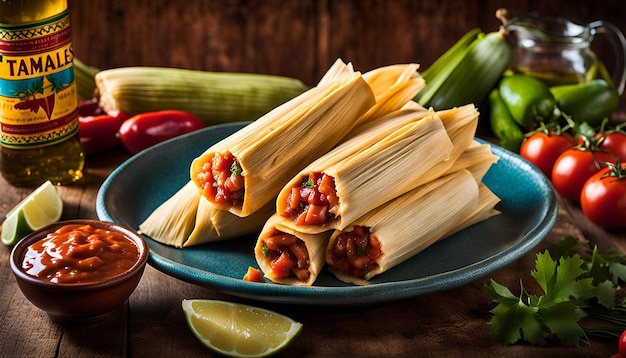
column 152, row 324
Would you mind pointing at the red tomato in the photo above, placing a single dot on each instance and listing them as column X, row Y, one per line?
column 622, row 345
column 573, row 168
column 615, row 143
column 603, row 199
column 542, row 150
column 282, row 265
column 147, row 129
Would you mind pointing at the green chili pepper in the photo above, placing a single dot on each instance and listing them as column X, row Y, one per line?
column 588, row 102
column 502, row 123
column 528, row 99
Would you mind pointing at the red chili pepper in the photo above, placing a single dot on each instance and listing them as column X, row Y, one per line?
column 89, row 108
column 99, row 133
column 147, row 129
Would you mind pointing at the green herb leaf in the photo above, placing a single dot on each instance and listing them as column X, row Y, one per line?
column 500, row 293
column 512, row 323
column 266, row 250
column 567, row 287
column 513, row 320
column 565, row 247
column 561, row 281
column 618, row 272
column 561, row 318
column 235, row 169
column 605, row 292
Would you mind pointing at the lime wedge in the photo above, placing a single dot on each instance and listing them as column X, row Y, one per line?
column 238, row 330
column 40, row 208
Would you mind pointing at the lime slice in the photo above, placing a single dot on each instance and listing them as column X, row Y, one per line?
column 40, row 208
column 238, row 330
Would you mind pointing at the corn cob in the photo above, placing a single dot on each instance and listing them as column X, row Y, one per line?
column 441, row 68
column 215, row 97
column 467, row 72
column 84, row 76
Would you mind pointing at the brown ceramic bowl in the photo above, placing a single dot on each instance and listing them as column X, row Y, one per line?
column 79, row 303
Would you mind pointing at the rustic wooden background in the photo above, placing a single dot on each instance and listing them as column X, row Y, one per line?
column 297, row 38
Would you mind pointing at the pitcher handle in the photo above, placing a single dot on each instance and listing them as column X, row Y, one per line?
column 619, row 45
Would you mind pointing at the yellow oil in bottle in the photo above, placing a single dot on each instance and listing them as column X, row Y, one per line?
column 38, row 99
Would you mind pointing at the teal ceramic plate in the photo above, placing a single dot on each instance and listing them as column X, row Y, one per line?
column 528, row 212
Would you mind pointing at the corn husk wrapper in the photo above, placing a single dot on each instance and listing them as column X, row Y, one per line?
column 477, row 157
column 188, row 219
column 393, row 87
column 274, row 147
column 460, row 123
column 412, row 222
column 315, row 245
column 218, row 225
column 172, row 221
column 371, row 169
column 484, row 209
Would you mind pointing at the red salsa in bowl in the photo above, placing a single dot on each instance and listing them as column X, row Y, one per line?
column 77, row 253
column 79, row 271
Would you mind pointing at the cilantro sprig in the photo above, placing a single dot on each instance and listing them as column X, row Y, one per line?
column 576, row 281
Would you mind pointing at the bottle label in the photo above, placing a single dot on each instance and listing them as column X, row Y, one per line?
column 38, row 98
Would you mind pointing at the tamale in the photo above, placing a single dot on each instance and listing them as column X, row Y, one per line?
column 290, row 257
column 399, row 229
column 390, row 85
column 414, row 228
column 266, row 153
column 366, row 171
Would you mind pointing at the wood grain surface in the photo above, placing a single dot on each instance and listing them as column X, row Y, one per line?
column 297, row 38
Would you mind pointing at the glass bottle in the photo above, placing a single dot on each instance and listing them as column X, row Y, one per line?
column 38, row 99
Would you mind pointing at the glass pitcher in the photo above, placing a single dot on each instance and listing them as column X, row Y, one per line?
column 558, row 51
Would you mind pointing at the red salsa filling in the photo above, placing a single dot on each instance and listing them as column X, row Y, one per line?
column 253, row 275
column 355, row 252
column 288, row 256
column 314, row 202
column 221, row 180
